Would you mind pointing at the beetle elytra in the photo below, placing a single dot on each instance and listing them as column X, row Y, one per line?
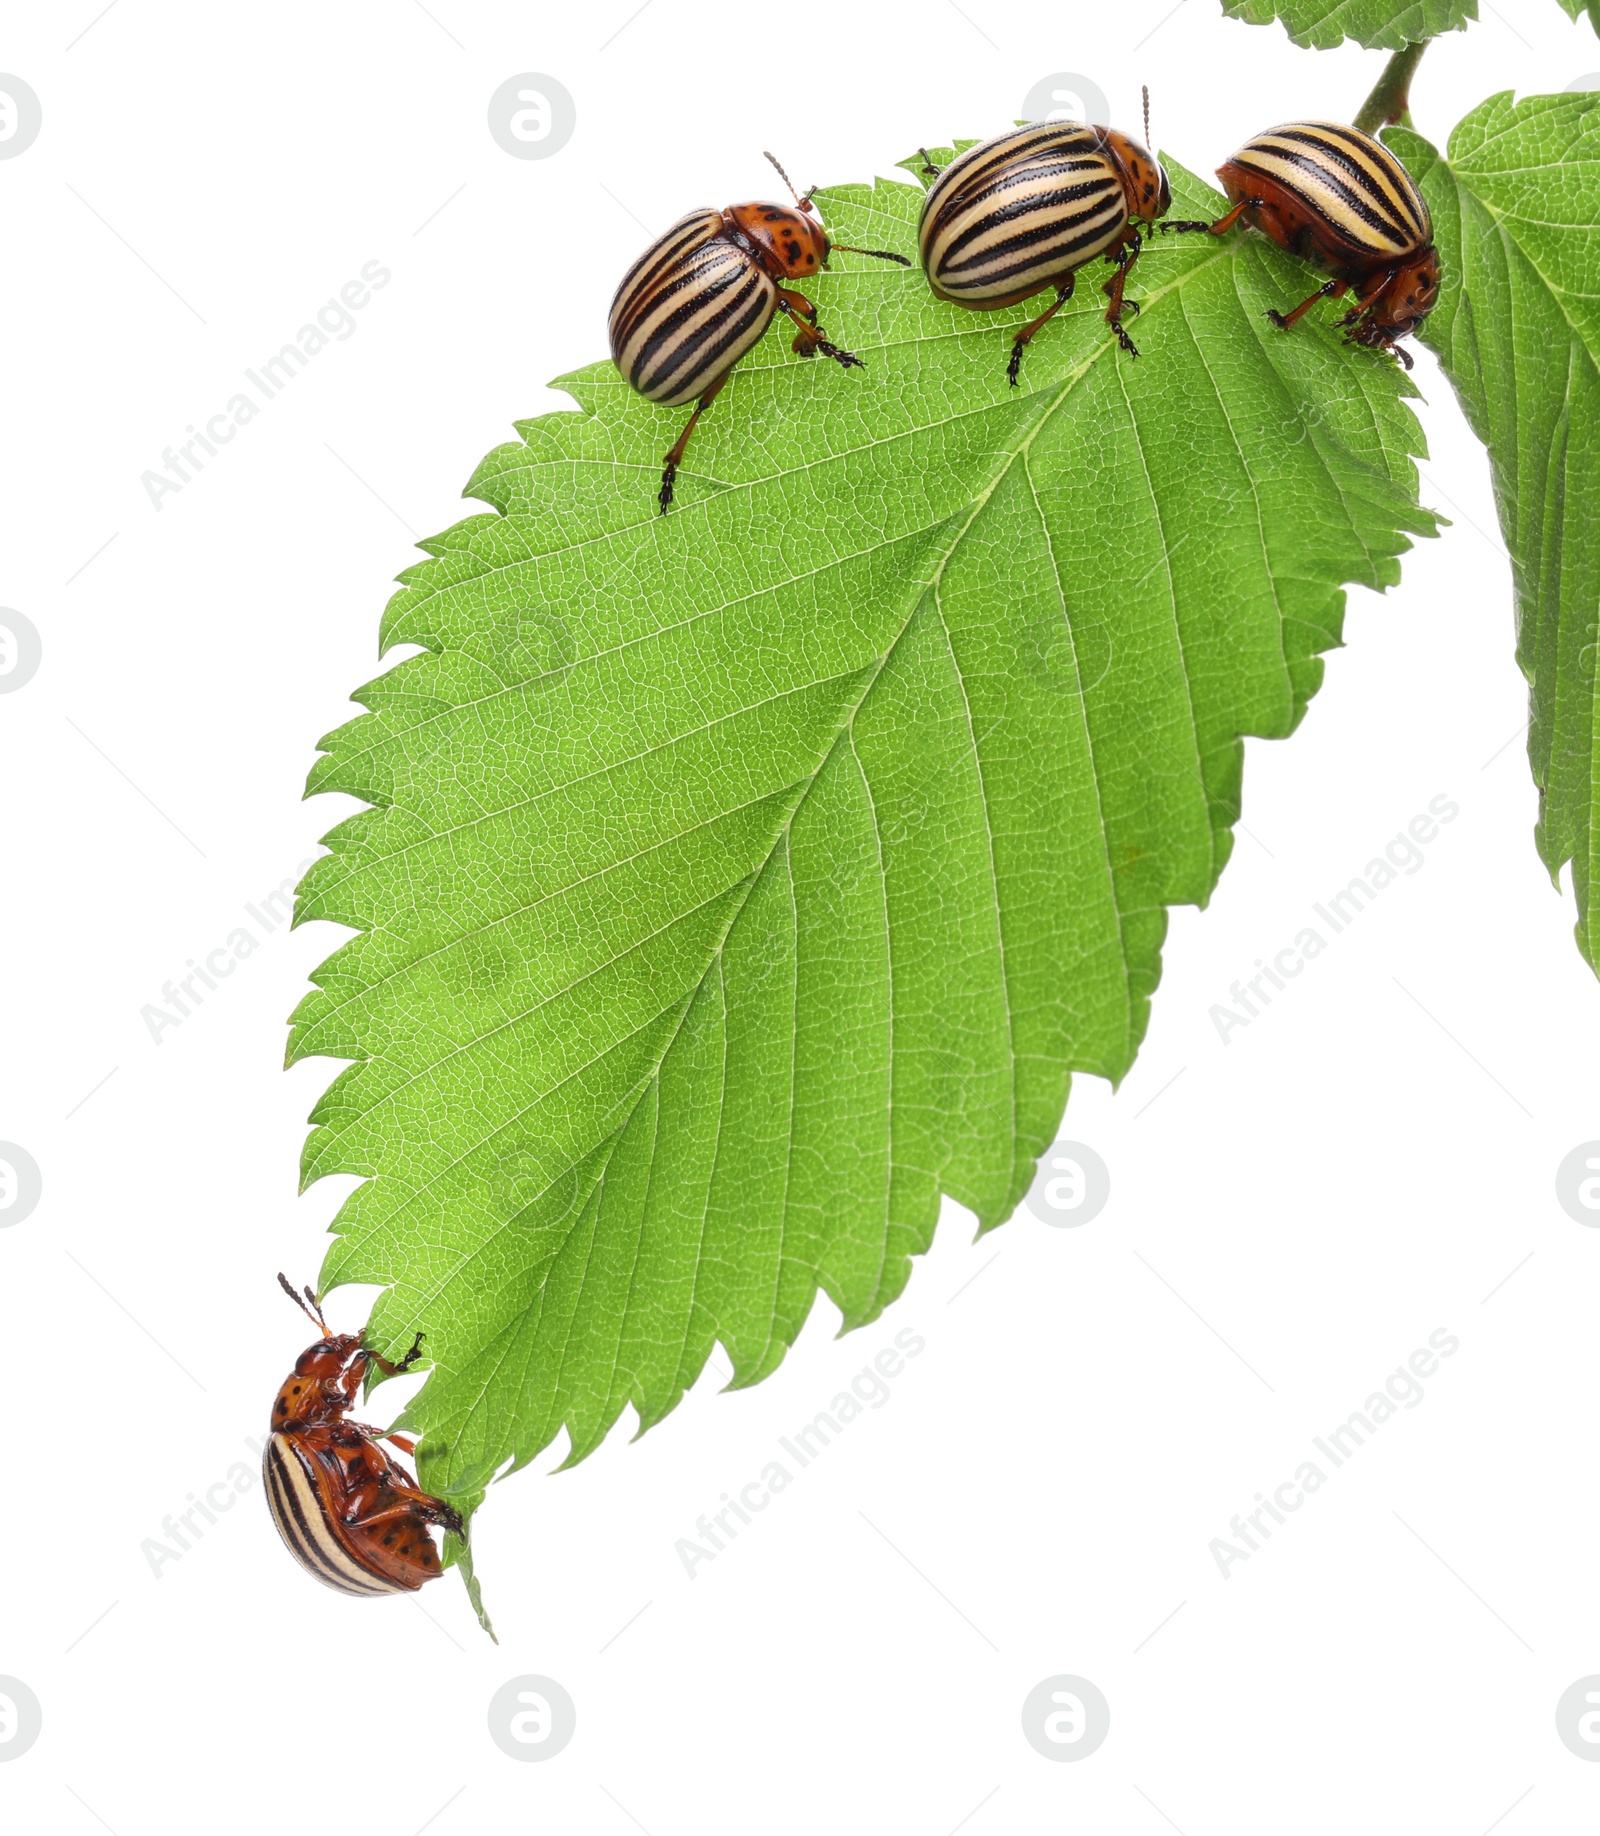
column 1029, row 208
column 704, row 293
column 1340, row 199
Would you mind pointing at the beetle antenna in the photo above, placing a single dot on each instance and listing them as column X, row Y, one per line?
column 1146, row 89
column 801, row 201
column 313, row 1312
column 849, row 248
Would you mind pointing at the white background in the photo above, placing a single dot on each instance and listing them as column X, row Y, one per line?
column 1289, row 1219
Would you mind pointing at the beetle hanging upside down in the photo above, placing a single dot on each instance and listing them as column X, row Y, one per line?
column 704, row 292
column 349, row 1514
column 1336, row 197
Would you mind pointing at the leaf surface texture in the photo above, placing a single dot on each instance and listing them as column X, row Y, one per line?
column 738, row 882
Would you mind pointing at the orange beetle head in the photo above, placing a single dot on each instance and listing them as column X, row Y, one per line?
column 1143, row 179
column 786, row 239
column 1409, row 297
column 317, row 1389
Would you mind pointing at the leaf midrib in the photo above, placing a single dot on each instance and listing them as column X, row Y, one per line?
column 846, row 724
column 456, row 709
column 1505, row 224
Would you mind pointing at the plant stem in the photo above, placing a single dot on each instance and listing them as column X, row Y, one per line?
column 1391, row 97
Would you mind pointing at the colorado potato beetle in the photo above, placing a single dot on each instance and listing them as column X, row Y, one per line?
column 1338, row 198
column 706, row 290
column 348, row 1513
column 1025, row 210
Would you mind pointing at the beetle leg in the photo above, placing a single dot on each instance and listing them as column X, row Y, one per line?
column 1366, row 301
column 406, row 1501
column 1114, row 290
column 802, row 315
column 398, row 1370
column 669, row 469
column 1330, row 290
column 808, row 341
column 403, row 1441
column 1025, row 336
column 388, row 1492
column 1377, row 338
column 1222, row 224
column 1374, row 337
column 929, row 169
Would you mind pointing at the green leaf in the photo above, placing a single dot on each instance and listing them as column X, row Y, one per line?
column 1380, row 25
column 1516, row 210
column 741, row 881
column 1579, row 9
column 458, row 1554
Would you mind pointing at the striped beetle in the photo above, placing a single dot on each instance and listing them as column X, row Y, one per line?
column 347, row 1512
column 704, row 292
column 1335, row 196
column 1025, row 210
